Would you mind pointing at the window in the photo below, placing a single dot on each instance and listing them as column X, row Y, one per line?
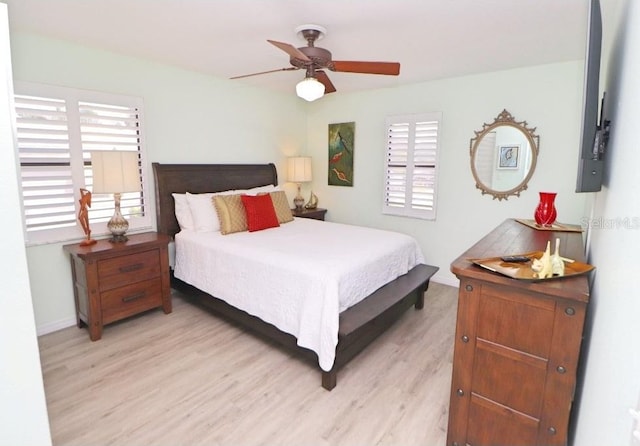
column 411, row 165
column 57, row 128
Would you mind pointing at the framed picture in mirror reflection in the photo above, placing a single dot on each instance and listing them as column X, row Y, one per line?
column 508, row 156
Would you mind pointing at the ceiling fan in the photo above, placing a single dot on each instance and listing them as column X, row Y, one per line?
column 314, row 60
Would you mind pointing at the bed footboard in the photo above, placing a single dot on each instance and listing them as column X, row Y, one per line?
column 365, row 321
column 359, row 325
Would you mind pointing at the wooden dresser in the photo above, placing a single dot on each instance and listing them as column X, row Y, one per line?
column 517, row 345
column 112, row 281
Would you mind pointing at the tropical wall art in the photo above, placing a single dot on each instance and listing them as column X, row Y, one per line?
column 341, row 139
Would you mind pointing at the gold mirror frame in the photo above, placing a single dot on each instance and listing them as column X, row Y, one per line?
column 505, row 119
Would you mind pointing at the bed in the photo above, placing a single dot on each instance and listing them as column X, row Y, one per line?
column 357, row 325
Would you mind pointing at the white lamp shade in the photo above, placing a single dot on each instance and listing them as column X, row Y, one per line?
column 299, row 169
column 115, row 172
column 310, row 89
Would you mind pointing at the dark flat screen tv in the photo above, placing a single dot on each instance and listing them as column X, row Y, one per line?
column 595, row 132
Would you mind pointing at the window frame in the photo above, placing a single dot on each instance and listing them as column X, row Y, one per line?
column 78, row 163
column 407, row 209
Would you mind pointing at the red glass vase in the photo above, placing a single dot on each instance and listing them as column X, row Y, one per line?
column 546, row 213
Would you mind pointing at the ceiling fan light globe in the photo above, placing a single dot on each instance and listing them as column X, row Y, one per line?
column 310, row 89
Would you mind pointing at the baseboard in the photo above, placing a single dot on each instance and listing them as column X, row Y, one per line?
column 50, row 327
column 445, row 280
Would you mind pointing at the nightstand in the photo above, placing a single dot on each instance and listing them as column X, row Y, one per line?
column 112, row 281
column 316, row 214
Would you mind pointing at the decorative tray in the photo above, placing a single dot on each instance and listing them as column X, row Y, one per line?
column 523, row 271
column 557, row 227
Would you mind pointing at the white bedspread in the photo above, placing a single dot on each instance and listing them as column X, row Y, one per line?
column 299, row 276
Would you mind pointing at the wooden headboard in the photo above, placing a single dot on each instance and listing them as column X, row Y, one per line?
column 202, row 178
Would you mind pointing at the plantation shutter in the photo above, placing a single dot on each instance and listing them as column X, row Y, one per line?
column 411, row 165
column 397, row 164
column 109, row 127
column 424, row 166
column 57, row 128
column 45, row 162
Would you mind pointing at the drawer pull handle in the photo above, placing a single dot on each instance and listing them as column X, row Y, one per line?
column 133, row 297
column 465, row 338
column 469, row 287
column 130, row 268
column 570, row 311
column 561, row 369
column 460, row 392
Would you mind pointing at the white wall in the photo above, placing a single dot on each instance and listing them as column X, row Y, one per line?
column 23, row 410
column 548, row 97
column 611, row 382
column 189, row 117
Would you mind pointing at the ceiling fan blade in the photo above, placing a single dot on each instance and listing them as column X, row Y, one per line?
column 324, row 80
column 265, row 72
column 290, row 50
column 347, row 66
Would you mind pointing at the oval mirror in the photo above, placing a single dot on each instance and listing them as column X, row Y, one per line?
column 503, row 156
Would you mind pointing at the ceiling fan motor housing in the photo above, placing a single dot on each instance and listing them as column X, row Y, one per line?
column 319, row 57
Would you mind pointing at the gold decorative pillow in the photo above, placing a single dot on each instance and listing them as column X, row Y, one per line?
column 231, row 213
column 281, row 206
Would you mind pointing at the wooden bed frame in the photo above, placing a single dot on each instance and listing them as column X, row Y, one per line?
column 358, row 325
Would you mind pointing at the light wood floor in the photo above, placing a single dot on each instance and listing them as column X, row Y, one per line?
column 189, row 378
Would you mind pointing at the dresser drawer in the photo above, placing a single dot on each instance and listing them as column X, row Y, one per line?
column 131, row 299
column 516, row 320
column 115, row 272
column 491, row 424
column 508, row 377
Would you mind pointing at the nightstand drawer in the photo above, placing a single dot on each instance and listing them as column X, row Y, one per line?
column 131, row 299
column 119, row 271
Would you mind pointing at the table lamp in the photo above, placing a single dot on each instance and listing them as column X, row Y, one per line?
column 299, row 171
column 116, row 172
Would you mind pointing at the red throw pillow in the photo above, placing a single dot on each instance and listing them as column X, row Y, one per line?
column 260, row 212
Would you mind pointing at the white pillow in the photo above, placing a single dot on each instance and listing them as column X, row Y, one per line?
column 205, row 217
column 259, row 190
column 183, row 212
column 203, row 212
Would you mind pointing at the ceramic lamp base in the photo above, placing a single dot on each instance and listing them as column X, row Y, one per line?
column 298, row 201
column 118, row 225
